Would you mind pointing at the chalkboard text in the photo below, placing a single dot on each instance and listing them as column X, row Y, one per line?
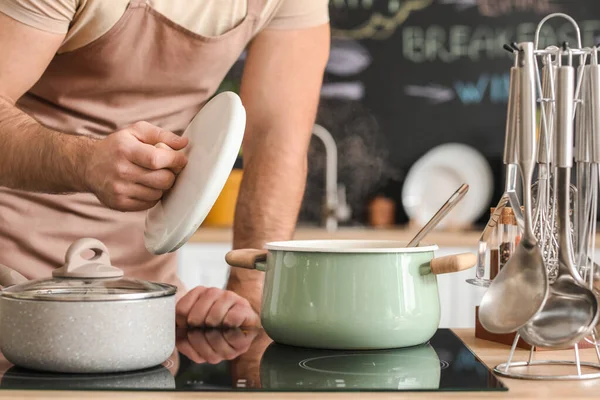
column 495, row 85
column 391, row 7
column 449, row 44
column 495, row 8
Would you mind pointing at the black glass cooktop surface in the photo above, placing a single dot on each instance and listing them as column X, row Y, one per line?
column 248, row 361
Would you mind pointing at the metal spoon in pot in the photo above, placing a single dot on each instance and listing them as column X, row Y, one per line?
column 571, row 311
column 439, row 215
column 520, row 289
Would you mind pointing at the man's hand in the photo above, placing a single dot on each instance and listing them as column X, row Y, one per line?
column 213, row 307
column 214, row 346
column 131, row 169
column 125, row 171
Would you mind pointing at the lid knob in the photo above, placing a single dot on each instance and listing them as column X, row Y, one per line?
column 76, row 266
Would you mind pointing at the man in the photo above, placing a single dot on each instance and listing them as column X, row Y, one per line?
column 89, row 87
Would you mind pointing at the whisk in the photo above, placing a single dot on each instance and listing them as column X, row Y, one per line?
column 545, row 227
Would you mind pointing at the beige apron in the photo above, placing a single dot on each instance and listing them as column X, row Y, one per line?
column 144, row 68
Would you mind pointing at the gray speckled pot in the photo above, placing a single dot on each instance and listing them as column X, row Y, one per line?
column 87, row 318
column 87, row 337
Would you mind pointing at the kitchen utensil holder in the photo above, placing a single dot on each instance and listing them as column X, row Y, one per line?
column 507, row 369
column 584, row 196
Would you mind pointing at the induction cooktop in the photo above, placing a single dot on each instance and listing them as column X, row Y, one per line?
column 235, row 360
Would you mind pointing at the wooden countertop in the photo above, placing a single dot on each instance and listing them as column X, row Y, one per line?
column 490, row 353
column 446, row 238
column 441, row 238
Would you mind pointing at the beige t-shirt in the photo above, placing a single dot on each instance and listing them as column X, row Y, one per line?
column 86, row 20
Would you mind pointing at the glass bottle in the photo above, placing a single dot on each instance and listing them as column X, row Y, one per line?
column 508, row 236
column 494, row 247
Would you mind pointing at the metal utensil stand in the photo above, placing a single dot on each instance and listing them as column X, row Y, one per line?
column 583, row 196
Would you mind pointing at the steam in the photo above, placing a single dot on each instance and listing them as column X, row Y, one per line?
column 363, row 158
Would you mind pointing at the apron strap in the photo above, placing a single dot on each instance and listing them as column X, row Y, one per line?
column 255, row 8
column 138, row 3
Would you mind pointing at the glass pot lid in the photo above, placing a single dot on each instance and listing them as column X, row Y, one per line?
column 97, row 289
column 93, row 279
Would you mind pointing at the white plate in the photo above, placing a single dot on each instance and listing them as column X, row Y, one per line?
column 215, row 137
column 438, row 174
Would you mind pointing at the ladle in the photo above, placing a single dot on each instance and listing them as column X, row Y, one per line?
column 594, row 111
column 591, row 266
column 520, row 289
column 570, row 312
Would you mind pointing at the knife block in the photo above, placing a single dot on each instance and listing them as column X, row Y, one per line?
column 508, row 338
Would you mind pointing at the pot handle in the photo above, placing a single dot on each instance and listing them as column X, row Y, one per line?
column 10, row 277
column 449, row 264
column 247, row 258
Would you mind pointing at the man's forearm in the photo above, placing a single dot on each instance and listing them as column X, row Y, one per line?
column 270, row 196
column 268, row 204
column 36, row 158
column 280, row 90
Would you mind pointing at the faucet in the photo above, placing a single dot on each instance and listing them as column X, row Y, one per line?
column 336, row 208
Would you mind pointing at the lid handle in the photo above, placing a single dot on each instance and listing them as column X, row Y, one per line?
column 76, row 266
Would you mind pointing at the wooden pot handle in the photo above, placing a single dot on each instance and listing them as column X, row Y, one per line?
column 453, row 263
column 245, row 258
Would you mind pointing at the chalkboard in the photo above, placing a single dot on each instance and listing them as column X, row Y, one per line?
column 407, row 75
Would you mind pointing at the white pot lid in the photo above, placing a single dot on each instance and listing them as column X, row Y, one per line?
column 215, row 137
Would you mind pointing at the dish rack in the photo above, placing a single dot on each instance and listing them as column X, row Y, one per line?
column 502, row 232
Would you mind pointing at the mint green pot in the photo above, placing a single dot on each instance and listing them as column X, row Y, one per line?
column 347, row 294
